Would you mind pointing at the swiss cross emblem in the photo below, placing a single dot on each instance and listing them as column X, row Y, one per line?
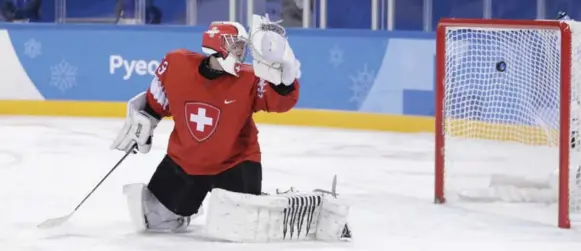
column 201, row 119
column 213, row 31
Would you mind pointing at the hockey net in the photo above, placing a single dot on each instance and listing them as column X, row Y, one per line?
column 507, row 113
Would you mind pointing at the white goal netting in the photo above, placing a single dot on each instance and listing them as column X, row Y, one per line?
column 501, row 115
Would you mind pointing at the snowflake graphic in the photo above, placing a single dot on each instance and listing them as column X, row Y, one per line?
column 32, row 48
column 362, row 83
column 336, row 56
column 63, row 76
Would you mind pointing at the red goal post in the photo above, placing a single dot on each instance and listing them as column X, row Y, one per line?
column 484, row 113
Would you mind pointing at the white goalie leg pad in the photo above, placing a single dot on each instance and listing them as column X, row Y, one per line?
column 332, row 219
column 147, row 213
column 268, row 218
column 134, row 196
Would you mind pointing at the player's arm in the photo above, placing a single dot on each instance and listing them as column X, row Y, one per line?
column 271, row 97
column 144, row 111
column 157, row 104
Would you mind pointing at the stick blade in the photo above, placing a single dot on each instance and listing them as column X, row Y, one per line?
column 334, row 186
column 55, row 222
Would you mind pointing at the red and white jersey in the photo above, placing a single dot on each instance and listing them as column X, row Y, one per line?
column 214, row 129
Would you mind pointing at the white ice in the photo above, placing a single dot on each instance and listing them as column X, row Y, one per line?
column 48, row 164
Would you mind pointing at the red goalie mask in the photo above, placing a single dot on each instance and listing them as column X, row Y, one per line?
column 228, row 40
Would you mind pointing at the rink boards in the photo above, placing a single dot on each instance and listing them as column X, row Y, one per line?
column 350, row 78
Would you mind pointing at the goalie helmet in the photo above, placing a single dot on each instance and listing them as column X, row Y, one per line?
column 227, row 41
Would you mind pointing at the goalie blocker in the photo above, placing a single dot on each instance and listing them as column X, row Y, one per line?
column 242, row 217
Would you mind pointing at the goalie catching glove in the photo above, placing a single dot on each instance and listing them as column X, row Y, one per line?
column 138, row 127
column 273, row 58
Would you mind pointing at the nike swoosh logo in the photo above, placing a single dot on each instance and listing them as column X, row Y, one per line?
column 229, row 101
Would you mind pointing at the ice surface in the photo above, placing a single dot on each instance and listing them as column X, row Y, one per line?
column 48, row 164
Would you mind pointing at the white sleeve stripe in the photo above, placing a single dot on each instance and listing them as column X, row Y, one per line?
column 157, row 91
column 261, row 87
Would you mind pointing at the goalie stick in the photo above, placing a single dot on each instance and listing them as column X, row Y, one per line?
column 50, row 223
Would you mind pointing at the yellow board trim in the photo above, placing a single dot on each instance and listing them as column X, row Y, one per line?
column 532, row 135
column 301, row 117
column 306, row 117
